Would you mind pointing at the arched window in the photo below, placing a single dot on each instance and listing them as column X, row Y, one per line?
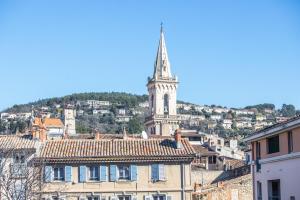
column 166, row 104
column 152, row 103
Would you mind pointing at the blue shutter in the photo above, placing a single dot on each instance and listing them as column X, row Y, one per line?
column 113, row 172
column 154, row 172
column 103, row 173
column 133, row 172
column 48, row 175
column 82, row 173
column 161, row 173
column 68, row 173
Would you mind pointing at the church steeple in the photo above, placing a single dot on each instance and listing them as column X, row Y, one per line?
column 162, row 89
column 162, row 69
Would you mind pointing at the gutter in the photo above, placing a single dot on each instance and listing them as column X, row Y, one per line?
column 273, row 131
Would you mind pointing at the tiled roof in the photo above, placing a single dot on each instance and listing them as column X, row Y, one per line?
column 37, row 122
column 53, row 122
column 274, row 126
column 16, row 143
column 118, row 150
column 203, row 151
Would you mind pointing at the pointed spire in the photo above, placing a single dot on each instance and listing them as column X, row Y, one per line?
column 162, row 67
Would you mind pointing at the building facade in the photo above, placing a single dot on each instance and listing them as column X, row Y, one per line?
column 152, row 169
column 70, row 127
column 276, row 161
column 162, row 89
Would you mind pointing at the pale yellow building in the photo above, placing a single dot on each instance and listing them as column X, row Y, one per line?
column 119, row 169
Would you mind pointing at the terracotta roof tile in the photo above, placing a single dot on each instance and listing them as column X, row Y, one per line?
column 16, row 143
column 53, row 122
column 115, row 150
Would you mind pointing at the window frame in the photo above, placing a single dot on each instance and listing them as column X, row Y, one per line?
column 123, row 169
column 124, row 196
column 93, row 197
column 275, row 149
column 61, row 173
column 164, row 197
column 96, row 169
column 290, row 142
column 270, row 190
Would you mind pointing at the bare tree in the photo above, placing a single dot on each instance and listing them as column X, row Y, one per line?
column 20, row 175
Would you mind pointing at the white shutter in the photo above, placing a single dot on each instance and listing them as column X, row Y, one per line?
column 133, row 197
column 147, row 197
column 161, row 170
column 103, row 198
column 113, row 198
column 169, row 197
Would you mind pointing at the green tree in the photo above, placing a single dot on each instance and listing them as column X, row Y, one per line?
column 135, row 126
column 288, row 110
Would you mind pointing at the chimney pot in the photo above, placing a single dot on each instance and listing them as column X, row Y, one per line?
column 178, row 139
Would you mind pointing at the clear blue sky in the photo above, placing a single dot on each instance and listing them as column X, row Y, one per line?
column 230, row 53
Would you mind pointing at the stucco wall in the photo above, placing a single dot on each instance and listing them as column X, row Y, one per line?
column 143, row 186
column 288, row 173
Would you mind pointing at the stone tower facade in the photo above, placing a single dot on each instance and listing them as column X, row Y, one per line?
column 69, row 115
column 162, row 89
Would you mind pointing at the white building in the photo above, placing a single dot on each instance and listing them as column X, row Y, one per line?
column 70, row 126
column 276, row 161
column 216, row 117
column 97, row 104
column 227, row 123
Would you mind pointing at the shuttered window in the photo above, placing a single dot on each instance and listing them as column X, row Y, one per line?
column 48, row 174
column 103, row 173
column 113, row 172
column 68, row 173
column 82, row 173
column 158, row 172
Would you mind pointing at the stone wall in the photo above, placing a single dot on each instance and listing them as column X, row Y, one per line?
column 235, row 189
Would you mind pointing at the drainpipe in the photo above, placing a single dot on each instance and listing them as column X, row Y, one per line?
column 182, row 173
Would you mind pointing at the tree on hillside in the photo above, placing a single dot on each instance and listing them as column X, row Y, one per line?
column 288, row 110
column 135, row 126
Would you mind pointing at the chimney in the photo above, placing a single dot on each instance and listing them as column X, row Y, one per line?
column 178, row 139
column 124, row 134
column 43, row 135
column 97, row 135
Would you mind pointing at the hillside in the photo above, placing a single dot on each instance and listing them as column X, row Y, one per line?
column 110, row 112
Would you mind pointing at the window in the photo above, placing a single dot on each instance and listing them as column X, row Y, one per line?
column 159, row 197
column 59, row 173
column 274, row 189
column 257, row 150
column 166, row 104
column 124, row 197
column 290, row 141
column 19, row 158
column 93, row 198
column 219, row 142
column 259, row 191
column 158, row 172
column 212, row 160
column 273, row 144
column 94, row 173
column 124, row 172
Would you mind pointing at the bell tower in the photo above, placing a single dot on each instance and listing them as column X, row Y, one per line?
column 162, row 89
